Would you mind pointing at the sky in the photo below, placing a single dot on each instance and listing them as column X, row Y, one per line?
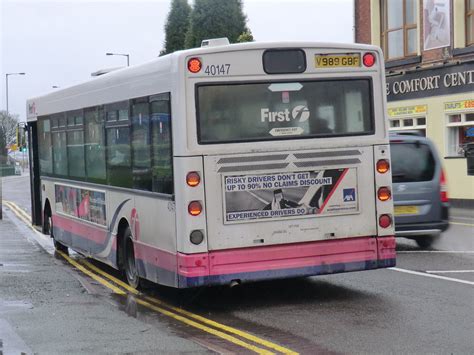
column 61, row 42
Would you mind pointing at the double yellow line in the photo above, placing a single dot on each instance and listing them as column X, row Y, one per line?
column 233, row 335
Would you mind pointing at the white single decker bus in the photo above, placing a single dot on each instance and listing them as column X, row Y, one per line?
column 221, row 164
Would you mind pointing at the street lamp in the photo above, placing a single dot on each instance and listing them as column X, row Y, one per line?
column 1, row 172
column 122, row 54
column 6, row 76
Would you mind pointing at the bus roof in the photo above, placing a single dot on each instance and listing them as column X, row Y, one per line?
column 114, row 86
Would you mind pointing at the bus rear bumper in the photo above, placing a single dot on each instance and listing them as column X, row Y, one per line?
column 285, row 261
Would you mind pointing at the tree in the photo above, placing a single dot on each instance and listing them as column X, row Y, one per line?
column 176, row 26
column 8, row 125
column 246, row 36
column 215, row 19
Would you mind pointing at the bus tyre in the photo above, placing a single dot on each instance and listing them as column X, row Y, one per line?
column 425, row 241
column 49, row 227
column 131, row 270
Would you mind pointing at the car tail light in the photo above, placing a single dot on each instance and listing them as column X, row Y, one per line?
column 384, row 194
column 443, row 187
column 193, row 179
column 368, row 59
column 194, row 65
column 383, row 166
column 385, row 221
column 194, row 208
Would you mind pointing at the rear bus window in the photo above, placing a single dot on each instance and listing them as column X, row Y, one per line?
column 412, row 162
column 282, row 110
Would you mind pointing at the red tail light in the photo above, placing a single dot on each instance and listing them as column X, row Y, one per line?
column 443, row 187
column 194, row 65
column 385, row 221
column 368, row 59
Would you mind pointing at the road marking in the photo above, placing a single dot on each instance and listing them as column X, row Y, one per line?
column 27, row 220
column 91, row 274
column 462, row 224
column 436, row 252
column 465, row 218
column 152, row 303
column 431, row 275
column 215, row 324
column 449, row 271
column 166, row 312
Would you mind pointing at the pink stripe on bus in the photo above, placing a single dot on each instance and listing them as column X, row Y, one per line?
column 96, row 234
column 154, row 256
column 285, row 256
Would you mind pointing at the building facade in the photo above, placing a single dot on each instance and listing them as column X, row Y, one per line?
column 429, row 53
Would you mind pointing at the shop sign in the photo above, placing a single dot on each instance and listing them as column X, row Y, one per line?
column 446, row 80
column 459, row 105
column 417, row 110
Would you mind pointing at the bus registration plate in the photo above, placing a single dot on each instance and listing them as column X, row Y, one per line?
column 337, row 60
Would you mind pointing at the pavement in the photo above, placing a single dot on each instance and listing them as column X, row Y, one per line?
column 46, row 307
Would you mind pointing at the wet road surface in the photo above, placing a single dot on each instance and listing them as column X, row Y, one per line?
column 424, row 305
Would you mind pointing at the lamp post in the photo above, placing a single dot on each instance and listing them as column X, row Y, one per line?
column 1, row 172
column 6, row 77
column 123, row 55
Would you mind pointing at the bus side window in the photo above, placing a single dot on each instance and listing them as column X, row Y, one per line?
column 95, row 144
column 162, row 167
column 58, row 136
column 141, row 166
column 44, row 145
column 119, row 167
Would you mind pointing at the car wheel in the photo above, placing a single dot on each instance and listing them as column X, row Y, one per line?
column 425, row 241
column 131, row 270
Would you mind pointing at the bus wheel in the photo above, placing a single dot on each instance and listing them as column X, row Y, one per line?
column 57, row 245
column 131, row 271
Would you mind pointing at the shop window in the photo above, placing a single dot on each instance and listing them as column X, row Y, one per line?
column 460, row 132
column 399, row 28
column 412, row 124
column 469, row 22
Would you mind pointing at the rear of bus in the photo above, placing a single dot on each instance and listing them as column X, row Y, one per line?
column 282, row 166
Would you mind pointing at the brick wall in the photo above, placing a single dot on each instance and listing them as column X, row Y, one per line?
column 362, row 21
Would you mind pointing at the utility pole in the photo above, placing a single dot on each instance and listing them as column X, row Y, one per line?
column 1, row 169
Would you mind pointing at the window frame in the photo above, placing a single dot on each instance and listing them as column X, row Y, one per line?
column 384, row 31
column 468, row 16
column 449, row 126
column 416, row 126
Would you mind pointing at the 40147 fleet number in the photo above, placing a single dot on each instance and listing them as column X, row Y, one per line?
column 219, row 69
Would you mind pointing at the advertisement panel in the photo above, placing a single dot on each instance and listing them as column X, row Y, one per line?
column 85, row 204
column 436, row 20
column 283, row 195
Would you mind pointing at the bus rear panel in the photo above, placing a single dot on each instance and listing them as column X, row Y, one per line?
column 289, row 157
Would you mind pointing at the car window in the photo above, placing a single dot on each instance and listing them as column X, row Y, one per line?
column 412, row 162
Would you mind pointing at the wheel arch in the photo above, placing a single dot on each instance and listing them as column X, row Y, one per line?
column 47, row 211
column 121, row 228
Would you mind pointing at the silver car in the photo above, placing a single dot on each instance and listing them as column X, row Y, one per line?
column 419, row 189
